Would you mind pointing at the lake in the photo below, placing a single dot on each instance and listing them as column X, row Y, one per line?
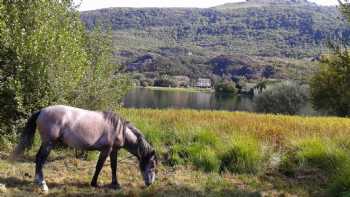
column 160, row 99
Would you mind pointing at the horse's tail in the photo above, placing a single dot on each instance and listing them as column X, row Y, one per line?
column 27, row 136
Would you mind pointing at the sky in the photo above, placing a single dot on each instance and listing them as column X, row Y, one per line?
column 97, row 4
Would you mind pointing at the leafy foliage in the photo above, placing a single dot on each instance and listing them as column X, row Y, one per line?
column 47, row 58
column 102, row 86
column 330, row 86
column 226, row 86
column 42, row 56
column 285, row 98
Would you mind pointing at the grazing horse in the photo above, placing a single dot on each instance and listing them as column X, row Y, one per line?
column 87, row 130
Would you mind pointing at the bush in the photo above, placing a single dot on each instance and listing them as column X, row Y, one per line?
column 319, row 154
column 201, row 151
column 42, row 57
column 340, row 186
column 48, row 58
column 330, row 85
column 146, row 82
column 226, row 86
column 205, row 159
column 164, row 81
column 314, row 153
column 244, row 155
column 284, row 98
column 177, row 155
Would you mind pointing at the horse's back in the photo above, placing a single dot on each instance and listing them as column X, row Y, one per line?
column 77, row 127
column 61, row 114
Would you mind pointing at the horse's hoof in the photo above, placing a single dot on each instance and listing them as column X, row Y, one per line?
column 114, row 186
column 43, row 187
column 94, row 185
column 3, row 188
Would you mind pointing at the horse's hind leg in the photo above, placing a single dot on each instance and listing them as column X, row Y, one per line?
column 113, row 157
column 41, row 157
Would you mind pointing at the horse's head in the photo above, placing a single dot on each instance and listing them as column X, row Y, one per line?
column 148, row 166
column 138, row 146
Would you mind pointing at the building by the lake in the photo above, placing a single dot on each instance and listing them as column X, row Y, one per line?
column 203, row 83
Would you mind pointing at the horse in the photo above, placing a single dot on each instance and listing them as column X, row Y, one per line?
column 82, row 129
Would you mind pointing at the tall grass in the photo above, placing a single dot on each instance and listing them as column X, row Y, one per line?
column 244, row 142
column 243, row 155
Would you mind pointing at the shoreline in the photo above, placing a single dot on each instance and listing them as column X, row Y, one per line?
column 205, row 90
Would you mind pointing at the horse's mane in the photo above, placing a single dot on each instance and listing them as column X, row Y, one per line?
column 112, row 117
column 144, row 148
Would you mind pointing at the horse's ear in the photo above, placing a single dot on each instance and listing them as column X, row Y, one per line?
column 154, row 155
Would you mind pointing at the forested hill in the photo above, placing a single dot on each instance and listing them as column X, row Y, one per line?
column 294, row 29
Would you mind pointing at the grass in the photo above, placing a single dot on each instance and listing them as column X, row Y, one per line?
column 242, row 156
column 310, row 151
column 71, row 177
column 211, row 153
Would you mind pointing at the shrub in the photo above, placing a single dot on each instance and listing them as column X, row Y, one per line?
column 165, row 81
column 177, row 155
column 48, row 58
column 314, row 153
column 330, row 85
column 206, row 159
column 320, row 154
column 42, row 57
column 201, row 152
column 146, row 82
column 226, row 86
column 243, row 156
column 340, row 186
column 285, row 98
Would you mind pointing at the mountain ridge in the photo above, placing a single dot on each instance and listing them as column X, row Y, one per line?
column 152, row 40
column 261, row 3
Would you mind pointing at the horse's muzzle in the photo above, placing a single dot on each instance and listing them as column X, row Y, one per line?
column 148, row 184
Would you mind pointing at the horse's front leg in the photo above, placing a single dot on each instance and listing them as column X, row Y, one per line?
column 101, row 160
column 113, row 156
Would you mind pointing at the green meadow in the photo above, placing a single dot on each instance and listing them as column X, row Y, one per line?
column 207, row 153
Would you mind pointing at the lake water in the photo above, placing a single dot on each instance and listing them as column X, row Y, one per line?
column 160, row 99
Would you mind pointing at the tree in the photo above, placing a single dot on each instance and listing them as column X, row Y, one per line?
column 102, row 87
column 47, row 57
column 226, row 86
column 284, row 98
column 42, row 56
column 330, row 86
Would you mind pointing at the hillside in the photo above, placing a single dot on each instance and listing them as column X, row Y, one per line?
column 285, row 35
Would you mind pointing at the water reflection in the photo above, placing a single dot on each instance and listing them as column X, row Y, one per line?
column 150, row 98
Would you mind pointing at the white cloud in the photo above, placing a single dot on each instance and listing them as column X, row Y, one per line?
column 97, row 4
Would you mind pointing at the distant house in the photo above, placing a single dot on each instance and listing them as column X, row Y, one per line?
column 182, row 81
column 203, row 83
